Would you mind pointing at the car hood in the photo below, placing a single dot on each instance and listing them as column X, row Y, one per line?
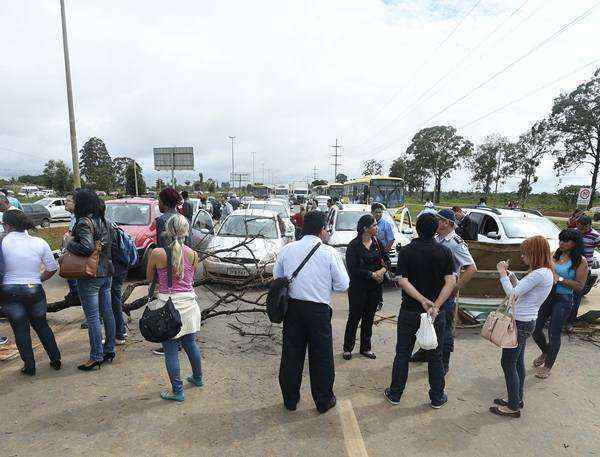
column 258, row 248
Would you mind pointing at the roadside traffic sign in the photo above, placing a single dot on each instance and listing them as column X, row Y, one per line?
column 585, row 194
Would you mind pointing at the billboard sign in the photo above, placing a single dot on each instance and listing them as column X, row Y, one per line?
column 175, row 158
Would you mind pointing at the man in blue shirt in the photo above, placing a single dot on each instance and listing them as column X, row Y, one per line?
column 385, row 233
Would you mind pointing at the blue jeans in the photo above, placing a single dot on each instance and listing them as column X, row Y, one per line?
column 72, row 287
column 171, row 347
column 116, row 296
column 408, row 324
column 557, row 309
column 25, row 305
column 94, row 294
column 513, row 364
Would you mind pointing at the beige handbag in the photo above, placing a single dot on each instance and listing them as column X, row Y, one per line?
column 73, row 266
column 500, row 327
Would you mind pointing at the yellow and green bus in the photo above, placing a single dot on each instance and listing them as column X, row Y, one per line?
column 369, row 189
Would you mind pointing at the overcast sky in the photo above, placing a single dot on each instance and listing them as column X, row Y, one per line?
column 285, row 77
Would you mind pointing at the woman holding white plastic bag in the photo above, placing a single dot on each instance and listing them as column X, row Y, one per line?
column 181, row 292
column 530, row 293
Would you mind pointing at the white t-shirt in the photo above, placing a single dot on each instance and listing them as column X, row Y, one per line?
column 23, row 256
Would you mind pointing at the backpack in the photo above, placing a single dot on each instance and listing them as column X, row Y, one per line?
column 123, row 248
column 279, row 289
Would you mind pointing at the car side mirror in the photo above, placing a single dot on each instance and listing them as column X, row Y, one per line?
column 153, row 225
column 205, row 231
column 493, row 235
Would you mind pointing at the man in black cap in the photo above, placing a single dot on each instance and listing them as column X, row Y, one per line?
column 464, row 269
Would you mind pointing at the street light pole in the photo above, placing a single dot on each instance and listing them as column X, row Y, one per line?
column 253, row 180
column 232, row 163
column 74, row 153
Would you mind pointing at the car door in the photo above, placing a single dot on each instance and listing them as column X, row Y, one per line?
column 57, row 209
column 202, row 231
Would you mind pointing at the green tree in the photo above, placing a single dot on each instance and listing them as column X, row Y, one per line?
column 440, row 150
column 96, row 165
column 568, row 196
column 575, row 125
column 489, row 163
column 341, row 178
column 57, row 176
column 318, row 182
column 120, row 165
column 160, row 185
column 372, row 167
column 414, row 175
column 211, row 185
column 526, row 156
column 130, row 177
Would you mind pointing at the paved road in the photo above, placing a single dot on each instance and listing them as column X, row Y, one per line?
column 117, row 411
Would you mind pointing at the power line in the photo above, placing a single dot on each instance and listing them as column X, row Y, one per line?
column 427, row 59
column 561, row 30
column 455, row 67
column 529, row 94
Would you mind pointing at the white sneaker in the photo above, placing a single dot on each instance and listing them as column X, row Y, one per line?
column 119, row 342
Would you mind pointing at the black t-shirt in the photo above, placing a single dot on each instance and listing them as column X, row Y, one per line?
column 424, row 263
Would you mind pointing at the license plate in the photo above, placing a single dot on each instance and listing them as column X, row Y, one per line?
column 237, row 271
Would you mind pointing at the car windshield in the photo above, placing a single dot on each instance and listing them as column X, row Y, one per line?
column 348, row 220
column 520, row 227
column 249, row 227
column 128, row 213
column 279, row 209
column 45, row 201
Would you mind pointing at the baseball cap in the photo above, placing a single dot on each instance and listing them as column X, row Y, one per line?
column 447, row 214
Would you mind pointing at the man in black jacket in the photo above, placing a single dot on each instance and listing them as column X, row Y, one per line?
column 427, row 280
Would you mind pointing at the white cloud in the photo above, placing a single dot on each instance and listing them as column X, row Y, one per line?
column 286, row 78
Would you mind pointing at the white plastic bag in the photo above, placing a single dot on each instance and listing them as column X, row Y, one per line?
column 426, row 337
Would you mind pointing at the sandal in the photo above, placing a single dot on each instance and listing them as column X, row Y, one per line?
column 540, row 360
column 500, row 412
column 543, row 373
column 347, row 355
column 369, row 355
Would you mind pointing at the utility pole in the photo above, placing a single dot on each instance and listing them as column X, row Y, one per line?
column 263, row 174
column 253, row 180
column 232, row 179
column 314, row 173
column 336, row 156
column 74, row 153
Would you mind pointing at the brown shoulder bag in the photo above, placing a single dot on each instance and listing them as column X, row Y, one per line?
column 73, row 266
column 500, row 327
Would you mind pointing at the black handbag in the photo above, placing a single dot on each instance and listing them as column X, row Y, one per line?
column 279, row 289
column 164, row 323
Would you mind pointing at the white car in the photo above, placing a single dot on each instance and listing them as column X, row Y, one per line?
column 246, row 245
column 282, row 209
column 56, row 208
column 341, row 225
column 505, row 226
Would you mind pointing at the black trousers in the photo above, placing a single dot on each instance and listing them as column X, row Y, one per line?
column 363, row 303
column 307, row 324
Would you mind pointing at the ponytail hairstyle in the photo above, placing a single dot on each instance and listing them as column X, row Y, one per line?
column 17, row 220
column 176, row 232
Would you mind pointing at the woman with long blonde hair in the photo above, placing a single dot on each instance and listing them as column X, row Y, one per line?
column 530, row 292
column 184, row 262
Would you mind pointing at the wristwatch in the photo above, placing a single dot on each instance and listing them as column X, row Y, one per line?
column 561, row 279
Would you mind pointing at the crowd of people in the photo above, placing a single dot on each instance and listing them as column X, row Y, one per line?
column 431, row 271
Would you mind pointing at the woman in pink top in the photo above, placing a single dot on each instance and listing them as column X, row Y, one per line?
column 181, row 292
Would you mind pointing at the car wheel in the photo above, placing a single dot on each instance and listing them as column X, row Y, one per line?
column 45, row 223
